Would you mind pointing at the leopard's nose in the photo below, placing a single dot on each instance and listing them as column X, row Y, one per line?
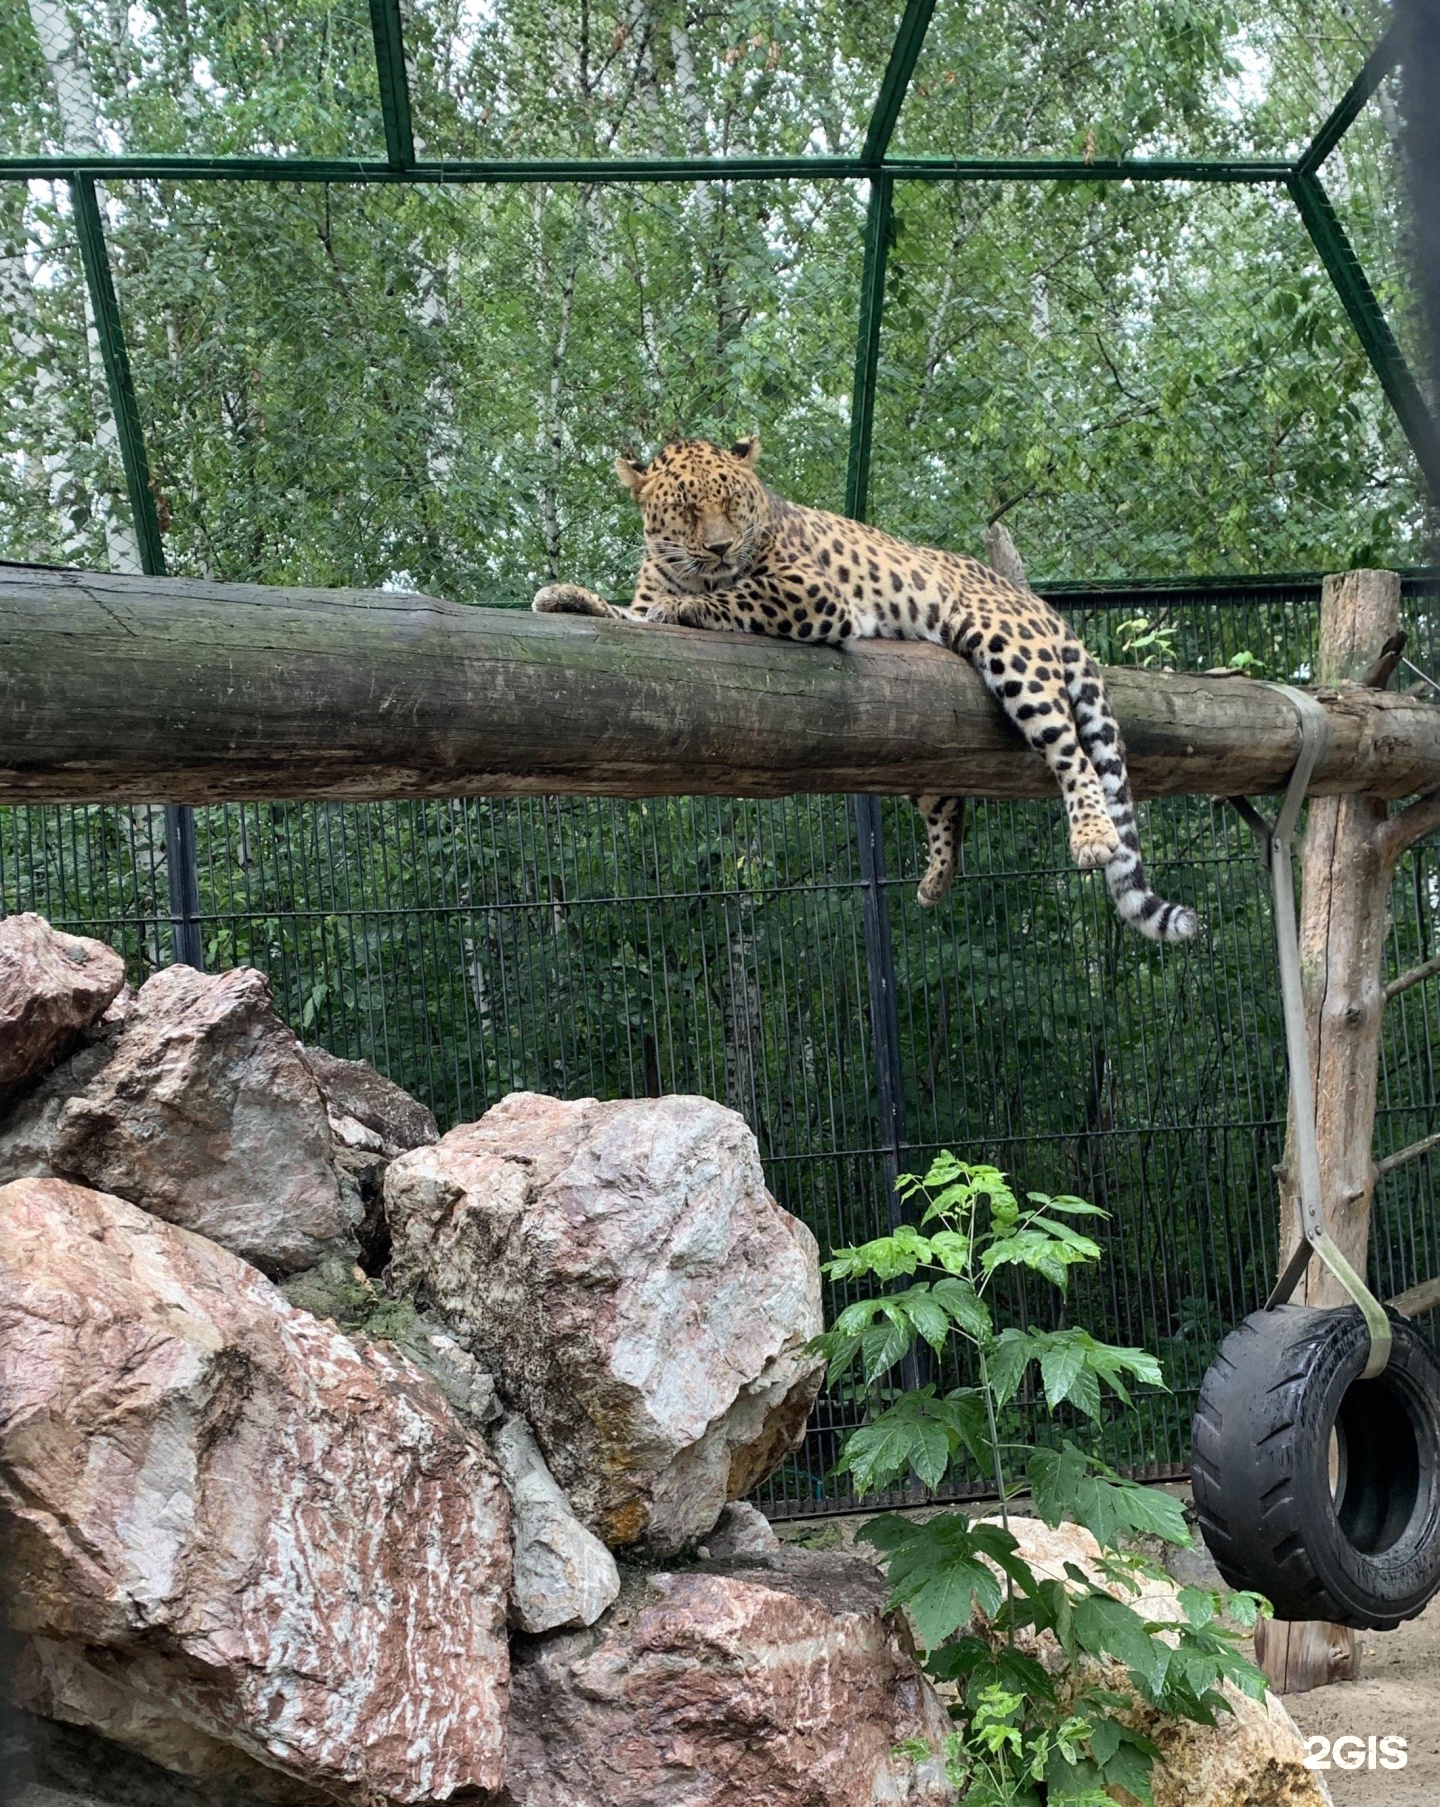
column 719, row 547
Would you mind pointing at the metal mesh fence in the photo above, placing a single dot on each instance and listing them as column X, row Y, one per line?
column 719, row 947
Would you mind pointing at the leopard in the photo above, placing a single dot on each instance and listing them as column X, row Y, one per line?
column 725, row 551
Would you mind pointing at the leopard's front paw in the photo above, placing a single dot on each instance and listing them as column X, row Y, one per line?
column 569, row 599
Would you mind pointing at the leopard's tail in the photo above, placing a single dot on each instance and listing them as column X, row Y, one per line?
column 1099, row 732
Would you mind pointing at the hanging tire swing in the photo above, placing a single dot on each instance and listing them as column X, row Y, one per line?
column 1315, row 1448
column 1314, row 1486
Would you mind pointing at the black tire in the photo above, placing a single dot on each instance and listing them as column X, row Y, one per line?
column 1357, row 1544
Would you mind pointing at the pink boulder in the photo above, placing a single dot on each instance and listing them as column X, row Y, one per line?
column 229, row 1528
column 52, row 985
column 203, row 1110
column 778, row 1687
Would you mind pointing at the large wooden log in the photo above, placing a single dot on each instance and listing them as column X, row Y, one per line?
column 130, row 689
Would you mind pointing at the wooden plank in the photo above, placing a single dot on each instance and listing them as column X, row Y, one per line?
column 133, row 689
column 1300, row 1654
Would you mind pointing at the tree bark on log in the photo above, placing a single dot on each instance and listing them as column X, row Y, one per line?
column 1345, row 877
column 131, row 689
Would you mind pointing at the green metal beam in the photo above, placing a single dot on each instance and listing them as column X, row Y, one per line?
column 631, row 169
column 896, row 80
column 867, row 345
column 106, row 309
column 1381, row 60
column 1076, row 169
column 1368, row 319
column 394, row 87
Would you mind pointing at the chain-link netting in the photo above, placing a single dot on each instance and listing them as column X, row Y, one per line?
column 1140, row 379
column 1364, row 177
column 644, row 78
column 62, row 484
column 427, row 386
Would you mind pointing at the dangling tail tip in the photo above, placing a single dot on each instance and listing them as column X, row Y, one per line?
column 1180, row 925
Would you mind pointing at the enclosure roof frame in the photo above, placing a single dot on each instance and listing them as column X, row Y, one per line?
column 874, row 165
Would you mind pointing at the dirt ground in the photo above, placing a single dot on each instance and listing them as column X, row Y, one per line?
column 1398, row 1693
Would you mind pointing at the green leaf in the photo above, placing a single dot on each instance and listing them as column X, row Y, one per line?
column 1107, row 1627
column 963, row 1411
column 1061, row 1365
column 885, row 1344
column 1129, row 1767
column 1007, row 1362
column 963, row 1306
column 1064, row 1201
column 937, row 1572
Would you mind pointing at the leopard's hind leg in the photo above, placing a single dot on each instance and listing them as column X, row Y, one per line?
column 944, row 830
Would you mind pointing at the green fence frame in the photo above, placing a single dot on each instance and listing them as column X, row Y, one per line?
column 874, row 165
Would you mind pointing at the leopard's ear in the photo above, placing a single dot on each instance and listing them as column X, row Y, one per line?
column 631, row 473
column 747, row 450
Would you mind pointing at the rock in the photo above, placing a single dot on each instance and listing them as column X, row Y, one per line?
column 52, row 986
column 371, row 1121
column 353, row 1089
column 203, row 1111
column 1253, row 1758
column 345, row 1295
column 635, row 1290
column 743, row 1535
column 564, row 1575
column 708, row 1689
column 231, row 1531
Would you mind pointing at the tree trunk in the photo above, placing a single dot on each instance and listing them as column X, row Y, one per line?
column 142, row 690
column 1345, row 878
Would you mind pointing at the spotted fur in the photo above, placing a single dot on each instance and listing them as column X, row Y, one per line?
column 723, row 551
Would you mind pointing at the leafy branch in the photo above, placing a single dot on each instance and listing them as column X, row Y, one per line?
column 974, row 1600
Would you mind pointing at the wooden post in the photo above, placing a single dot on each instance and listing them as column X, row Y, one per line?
column 1347, row 863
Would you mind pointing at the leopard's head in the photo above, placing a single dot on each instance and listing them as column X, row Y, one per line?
column 706, row 513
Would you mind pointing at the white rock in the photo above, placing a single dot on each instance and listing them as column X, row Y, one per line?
column 564, row 1575
column 635, row 1290
column 744, row 1534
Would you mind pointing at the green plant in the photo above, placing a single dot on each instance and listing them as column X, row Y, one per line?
column 1146, row 642
column 1066, row 1733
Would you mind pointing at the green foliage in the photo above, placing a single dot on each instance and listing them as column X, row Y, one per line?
column 964, row 1582
column 425, row 385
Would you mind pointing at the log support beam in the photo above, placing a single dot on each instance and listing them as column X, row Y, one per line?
column 172, row 690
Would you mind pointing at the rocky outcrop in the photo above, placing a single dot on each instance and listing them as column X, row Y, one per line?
column 234, row 1534
column 638, row 1295
column 788, row 1686
column 564, row 1575
column 355, row 1094
column 202, row 1110
column 52, row 986
column 371, row 1121
column 1254, row 1757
